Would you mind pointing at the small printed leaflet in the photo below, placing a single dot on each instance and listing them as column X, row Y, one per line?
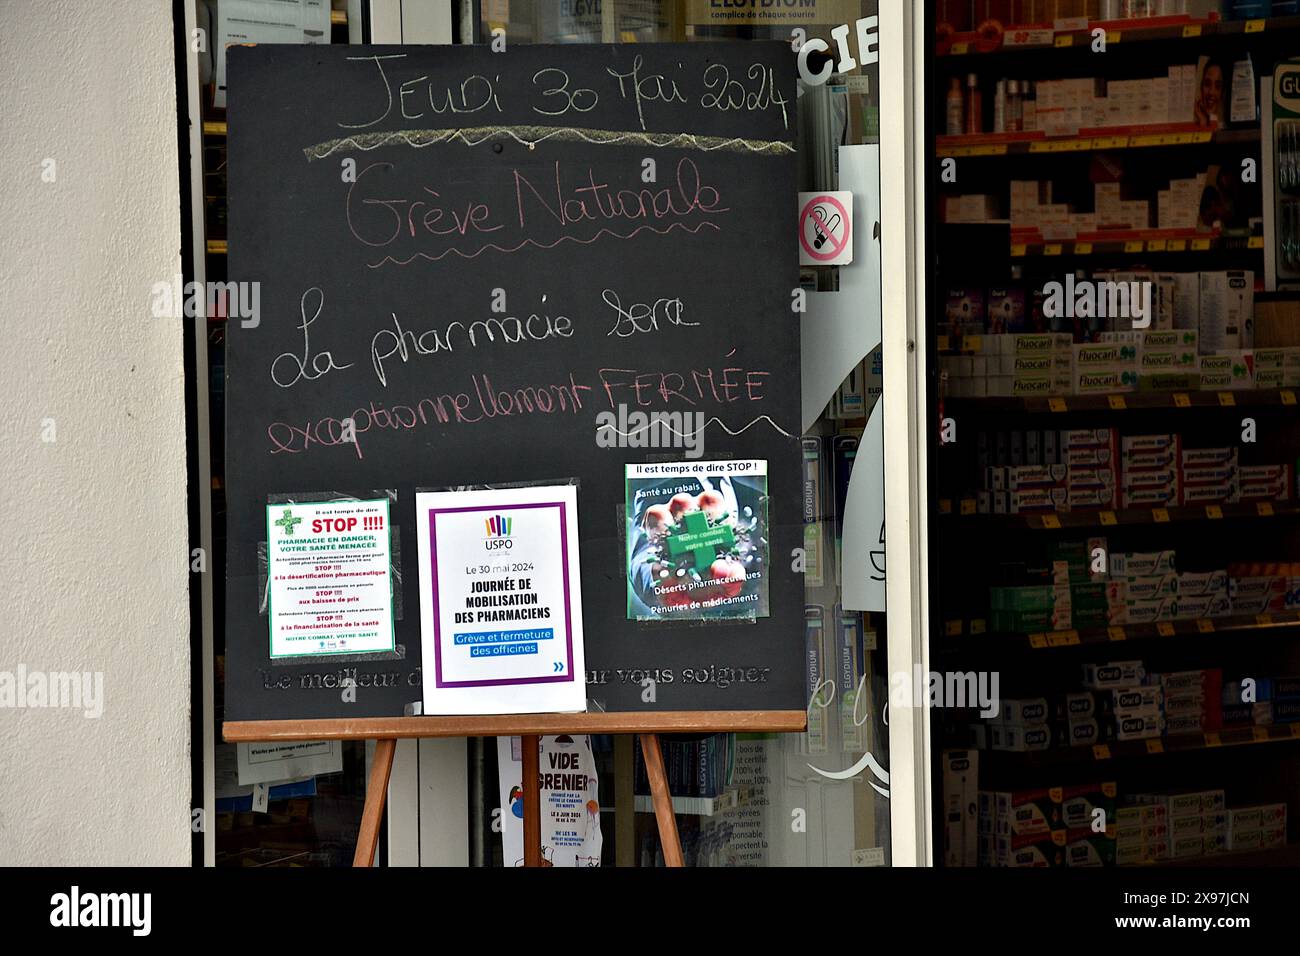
column 329, row 565
column 500, row 601
column 697, row 540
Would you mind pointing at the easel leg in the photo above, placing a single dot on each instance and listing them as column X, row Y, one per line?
column 663, row 801
column 532, row 784
column 372, row 813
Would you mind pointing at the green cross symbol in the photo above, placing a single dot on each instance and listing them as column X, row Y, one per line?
column 288, row 521
column 700, row 540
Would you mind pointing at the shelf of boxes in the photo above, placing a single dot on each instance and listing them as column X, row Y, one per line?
column 1078, row 34
column 1087, row 140
column 967, row 509
column 1137, row 401
column 1158, row 630
column 1129, row 749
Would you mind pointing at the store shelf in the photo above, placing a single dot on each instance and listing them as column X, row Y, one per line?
column 1129, row 242
column 1135, row 401
column 1025, row 38
column 1088, row 140
column 973, row 636
column 964, row 510
column 1150, row 747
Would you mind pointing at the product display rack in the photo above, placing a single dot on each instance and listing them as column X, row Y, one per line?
column 972, row 547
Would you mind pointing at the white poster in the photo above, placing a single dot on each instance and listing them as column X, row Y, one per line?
column 570, row 813
column 329, row 565
column 500, row 601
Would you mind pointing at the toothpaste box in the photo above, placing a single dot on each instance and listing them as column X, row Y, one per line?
column 1202, row 583
column 1124, row 699
column 1150, row 496
column 1202, row 457
column 1136, row 727
column 1113, row 674
column 1143, row 815
column 1208, row 605
column 1017, row 738
column 1085, row 847
column 1125, row 564
column 1037, row 850
column 1150, row 611
column 1220, row 493
column 1028, row 812
column 1025, row 711
column 1144, row 587
column 1226, row 371
column 1080, row 804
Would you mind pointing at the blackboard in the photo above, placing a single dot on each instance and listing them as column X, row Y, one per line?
column 379, row 195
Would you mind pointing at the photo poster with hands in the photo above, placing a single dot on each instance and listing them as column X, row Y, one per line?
column 479, row 269
column 570, row 813
column 697, row 541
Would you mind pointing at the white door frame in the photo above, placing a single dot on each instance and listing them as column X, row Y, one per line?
column 902, row 214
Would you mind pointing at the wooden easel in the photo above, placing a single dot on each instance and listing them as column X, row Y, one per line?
column 386, row 731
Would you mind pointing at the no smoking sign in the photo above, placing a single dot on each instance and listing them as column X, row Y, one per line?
column 825, row 228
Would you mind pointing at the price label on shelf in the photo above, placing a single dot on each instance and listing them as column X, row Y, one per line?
column 1155, row 245
column 1056, row 404
column 1227, row 399
column 958, row 49
column 1263, row 620
column 1255, row 242
column 1200, row 245
column 1213, row 512
column 978, row 626
column 1117, row 633
column 1212, row 739
column 1112, row 36
column 1259, row 733
column 1286, row 396
column 1165, row 628
column 1063, row 639
column 952, row 628
column 1155, row 745
column 1264, row 509
column 1175, row 245
column 1205, row 625
column 968, row 506
column 1101, row 751
column 1116, row 402
column 1108, row 517
column 1065, row 39
column 1182, row 400
column 1037, row 640
column 1191, row 30
column 1051, row 521
column 1159, row 515
column 1083, row 248
column 1255, row 26
column 1133, row 245
column 1052, row 249
column 1017, row 249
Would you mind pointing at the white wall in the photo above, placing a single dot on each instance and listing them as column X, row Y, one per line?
column 93, row 548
